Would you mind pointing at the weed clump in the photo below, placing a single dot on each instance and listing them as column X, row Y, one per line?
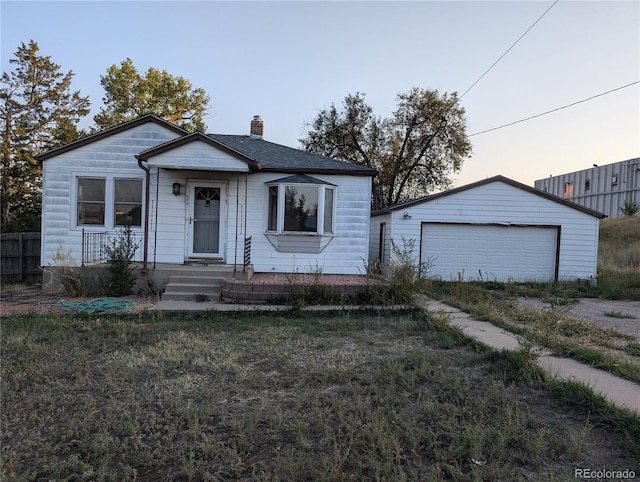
column 116, row 279
column 120, row 254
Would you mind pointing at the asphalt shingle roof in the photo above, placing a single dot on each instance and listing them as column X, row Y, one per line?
column 276, row 157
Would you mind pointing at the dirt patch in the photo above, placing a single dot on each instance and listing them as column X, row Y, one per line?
column 34, row 299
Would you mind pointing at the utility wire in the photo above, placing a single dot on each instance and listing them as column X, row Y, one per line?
column 509, row 49
column 557, row 109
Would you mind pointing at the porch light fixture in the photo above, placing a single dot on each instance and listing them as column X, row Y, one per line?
column 176, row 189
column 406, row 215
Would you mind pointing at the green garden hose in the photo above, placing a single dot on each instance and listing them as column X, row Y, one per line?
column 95, row 305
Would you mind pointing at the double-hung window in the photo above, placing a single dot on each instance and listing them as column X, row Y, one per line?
column 108, row 201
column 128, row 202
column 301, row 204
column 91, row 201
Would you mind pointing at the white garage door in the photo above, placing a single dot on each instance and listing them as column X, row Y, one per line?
column 489, row 252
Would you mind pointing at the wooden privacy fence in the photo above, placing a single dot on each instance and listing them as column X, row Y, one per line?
column 20, row 257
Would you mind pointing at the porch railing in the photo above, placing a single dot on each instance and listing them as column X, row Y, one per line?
column 94, row 246
column 247, row 252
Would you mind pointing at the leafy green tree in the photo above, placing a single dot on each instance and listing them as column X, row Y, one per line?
column 129, row 95
column 38, row 111
column 630, row 208
column 415, row 150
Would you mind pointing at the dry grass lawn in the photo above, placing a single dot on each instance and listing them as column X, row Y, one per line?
column 338, row 396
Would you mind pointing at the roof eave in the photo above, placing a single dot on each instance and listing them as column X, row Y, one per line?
column 107, row 133
column 489, row 180
column 197, row 136
column 319, row 170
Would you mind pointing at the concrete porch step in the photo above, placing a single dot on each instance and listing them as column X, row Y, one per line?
column 185, row 287
column 191, row 296
column 186, row 281
column 198, row 271
column 196, row 281
column 193, row 288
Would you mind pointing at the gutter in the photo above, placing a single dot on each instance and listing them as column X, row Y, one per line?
column 145, row 242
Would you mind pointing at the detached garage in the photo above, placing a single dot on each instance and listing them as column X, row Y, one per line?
column 492, row 230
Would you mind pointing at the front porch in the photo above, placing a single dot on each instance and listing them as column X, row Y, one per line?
column 197, row 279
column 193, row 281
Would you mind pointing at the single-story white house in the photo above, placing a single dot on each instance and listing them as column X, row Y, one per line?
column 237, row 200
column 496, row 229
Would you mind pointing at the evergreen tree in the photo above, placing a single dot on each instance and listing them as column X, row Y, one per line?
column 38, row 111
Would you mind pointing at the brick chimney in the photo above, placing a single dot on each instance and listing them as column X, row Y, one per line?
column 257, row 127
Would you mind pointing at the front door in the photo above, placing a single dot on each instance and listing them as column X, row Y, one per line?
column 206, row 219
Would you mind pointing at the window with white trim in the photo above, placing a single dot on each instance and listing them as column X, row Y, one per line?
column 109, row 201
column 128, row 202
column 301, row 205
column 91, row 199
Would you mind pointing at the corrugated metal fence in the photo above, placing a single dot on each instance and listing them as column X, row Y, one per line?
column 20, row 257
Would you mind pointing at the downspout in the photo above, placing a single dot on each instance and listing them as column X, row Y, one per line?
column 155, row 232
column 145, row 241
column 246, row 193
column 235, row 251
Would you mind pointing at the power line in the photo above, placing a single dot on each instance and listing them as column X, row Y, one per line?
column 509, row 49
column 555, row 110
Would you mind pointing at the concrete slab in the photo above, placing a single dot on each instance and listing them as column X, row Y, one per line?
column 193, row 306
column 487, row 333
column 437, row 306
column 618, row 390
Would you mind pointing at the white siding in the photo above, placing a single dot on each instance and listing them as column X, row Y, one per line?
column 168, row 230
column 498, row 202
column 113, row 155
column 348, row 251
column 374, row 238
column 198, row 155
column 345, row 254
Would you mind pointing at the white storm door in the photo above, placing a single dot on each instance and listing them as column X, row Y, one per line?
column 206, row 219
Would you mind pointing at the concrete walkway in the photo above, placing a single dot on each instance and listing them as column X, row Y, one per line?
column 194, row 306
column 619, row 391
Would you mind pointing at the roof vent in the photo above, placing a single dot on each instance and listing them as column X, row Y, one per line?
column 257, row 127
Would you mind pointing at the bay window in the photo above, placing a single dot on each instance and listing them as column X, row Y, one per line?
column 301, row 204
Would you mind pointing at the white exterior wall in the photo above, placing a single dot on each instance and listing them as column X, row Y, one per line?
column 498, row 202
column 114, row 155
column 199, row 155
column 168, row 230
column 347, row 252
column 374, row 238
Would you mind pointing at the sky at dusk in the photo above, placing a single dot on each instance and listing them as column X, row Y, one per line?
column 286, row 61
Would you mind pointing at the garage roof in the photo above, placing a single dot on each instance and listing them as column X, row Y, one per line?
column 489, row 180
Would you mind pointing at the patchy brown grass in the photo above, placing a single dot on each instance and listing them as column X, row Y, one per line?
column 619, row 258
column 347, row 396
column 620, row 243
